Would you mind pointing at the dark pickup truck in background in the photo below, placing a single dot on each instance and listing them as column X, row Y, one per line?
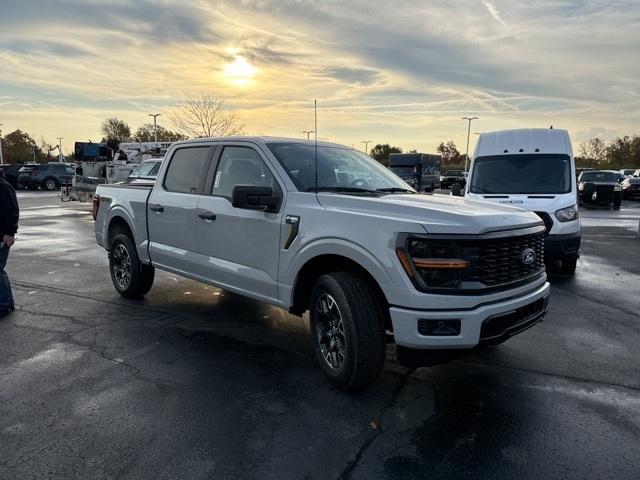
column 420, row 170
column 600, row 187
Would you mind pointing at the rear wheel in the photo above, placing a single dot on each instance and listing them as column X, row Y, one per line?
column 130, row 277
column 347, row 330
column 568, row 266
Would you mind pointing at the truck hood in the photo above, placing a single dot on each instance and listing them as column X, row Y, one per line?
column 438, row 214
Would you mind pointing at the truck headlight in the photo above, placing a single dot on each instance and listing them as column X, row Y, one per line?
column 567, row 214
column 432, row 263
column 617, row 188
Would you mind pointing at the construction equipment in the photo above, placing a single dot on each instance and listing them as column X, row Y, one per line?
column 110, row 162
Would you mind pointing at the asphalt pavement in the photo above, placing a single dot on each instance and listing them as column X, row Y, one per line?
column 195, row 382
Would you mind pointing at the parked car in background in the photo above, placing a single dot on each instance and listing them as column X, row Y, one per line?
column 627, row 172
column 453, row 176
column 600, row 187
column 532, row 169
column 631, row 187
column 50, row 176
column 10, row 173
column 147, row 170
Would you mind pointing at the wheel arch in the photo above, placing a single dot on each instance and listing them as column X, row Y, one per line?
column 331, row 262
column 117, row 224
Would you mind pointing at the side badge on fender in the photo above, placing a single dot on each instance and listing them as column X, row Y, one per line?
column 294, row 225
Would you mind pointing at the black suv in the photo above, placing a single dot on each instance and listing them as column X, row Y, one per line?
column 10, row 173
column 600, row 187
column 50, row 176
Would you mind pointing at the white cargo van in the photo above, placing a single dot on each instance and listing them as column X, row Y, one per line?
column 532, row 169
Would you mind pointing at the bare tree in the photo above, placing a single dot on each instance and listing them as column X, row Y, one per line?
column 201, row 114
column 115, row 129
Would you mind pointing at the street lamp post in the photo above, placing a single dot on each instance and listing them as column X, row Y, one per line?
column 366, row 144
column 1, row 158
column 155, row 125
column 60, row 149
column 466, row 160
column 308, row 132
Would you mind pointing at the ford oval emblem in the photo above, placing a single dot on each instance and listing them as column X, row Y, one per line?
column 528, row 256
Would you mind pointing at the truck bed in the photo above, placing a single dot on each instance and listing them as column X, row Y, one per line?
column 128, row 201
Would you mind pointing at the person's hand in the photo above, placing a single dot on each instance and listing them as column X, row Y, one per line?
column 8, row 240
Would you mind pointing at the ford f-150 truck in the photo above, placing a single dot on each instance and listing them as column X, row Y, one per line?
column 325, row 228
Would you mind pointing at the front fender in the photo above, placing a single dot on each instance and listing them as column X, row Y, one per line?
column 380, row 267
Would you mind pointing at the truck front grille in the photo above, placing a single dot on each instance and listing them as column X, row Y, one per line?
column 504, row 261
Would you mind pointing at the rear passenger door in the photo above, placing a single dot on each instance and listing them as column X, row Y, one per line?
column 239, row 248
column 171, row 209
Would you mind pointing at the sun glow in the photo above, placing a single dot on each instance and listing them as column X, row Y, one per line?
column 240, row 72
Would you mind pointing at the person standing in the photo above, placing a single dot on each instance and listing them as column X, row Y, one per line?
column 9, row 214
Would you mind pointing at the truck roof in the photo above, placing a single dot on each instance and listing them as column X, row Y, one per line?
column 262, row 139
column 524, row 140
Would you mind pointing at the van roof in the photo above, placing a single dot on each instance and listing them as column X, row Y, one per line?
column 524, row 140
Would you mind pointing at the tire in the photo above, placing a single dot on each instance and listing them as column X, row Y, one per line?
column 347, row 330
column 131, row 278
column 617, row 203
column 568, row 266
column 50, row 184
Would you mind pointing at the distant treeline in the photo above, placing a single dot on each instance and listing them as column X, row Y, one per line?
column 623, row 152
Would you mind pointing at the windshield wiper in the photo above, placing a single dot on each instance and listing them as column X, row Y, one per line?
column 394, row 190
column 343, row 190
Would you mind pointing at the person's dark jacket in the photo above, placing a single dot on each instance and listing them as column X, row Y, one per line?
column 9, row 212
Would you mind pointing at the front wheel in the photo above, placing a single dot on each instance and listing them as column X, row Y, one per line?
column 130, row 277
column 617, row 202
column 347, row 329
column 568, row 266
column 51, row 184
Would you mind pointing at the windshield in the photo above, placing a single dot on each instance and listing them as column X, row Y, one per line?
column 599, row 177
column 143, row 169
column 339, row 169
column 454, row 173
column 525, row 174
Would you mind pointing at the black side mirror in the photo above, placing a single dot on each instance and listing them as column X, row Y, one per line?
column 456, row 190
column 251, row 197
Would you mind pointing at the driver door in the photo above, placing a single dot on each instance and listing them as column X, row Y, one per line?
column 239, row 247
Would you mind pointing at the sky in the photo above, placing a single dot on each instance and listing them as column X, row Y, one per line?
column 400, row 72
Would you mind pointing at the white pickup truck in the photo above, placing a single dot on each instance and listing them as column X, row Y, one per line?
column 325, row 228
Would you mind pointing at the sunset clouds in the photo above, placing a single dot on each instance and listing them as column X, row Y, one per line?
column 401, row 72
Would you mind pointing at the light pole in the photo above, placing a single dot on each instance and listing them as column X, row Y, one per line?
column 469, row 119
column 60, row 149
column 1, row 158
column 366, row 144
column 308, row 132
column 155, row 125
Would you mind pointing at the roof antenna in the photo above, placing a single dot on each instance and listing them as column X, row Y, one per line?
column 315, row 128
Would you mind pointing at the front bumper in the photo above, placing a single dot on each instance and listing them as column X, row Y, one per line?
column 562, row 246
column 501, row 320
column 602, row 197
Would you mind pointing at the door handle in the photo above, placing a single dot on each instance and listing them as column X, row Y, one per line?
column 156, row 208
column 207, row 216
